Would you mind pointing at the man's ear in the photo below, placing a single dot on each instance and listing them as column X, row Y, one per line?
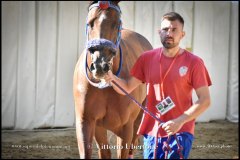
column 183, row 33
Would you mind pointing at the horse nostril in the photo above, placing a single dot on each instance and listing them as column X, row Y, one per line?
column 92, row 67
column 105, row 67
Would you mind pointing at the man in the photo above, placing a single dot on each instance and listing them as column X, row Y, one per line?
column 170, row 73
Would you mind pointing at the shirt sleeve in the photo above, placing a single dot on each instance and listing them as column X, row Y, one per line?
column 200, row 75
column 138, row 69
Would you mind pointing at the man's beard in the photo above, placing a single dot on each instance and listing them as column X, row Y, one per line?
column 167, row 44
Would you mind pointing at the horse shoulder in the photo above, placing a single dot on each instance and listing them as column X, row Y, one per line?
column 80, row 84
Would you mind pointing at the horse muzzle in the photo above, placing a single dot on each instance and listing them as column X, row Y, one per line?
column 100, row 69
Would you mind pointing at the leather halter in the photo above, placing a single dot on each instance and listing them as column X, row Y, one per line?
column 103, row 42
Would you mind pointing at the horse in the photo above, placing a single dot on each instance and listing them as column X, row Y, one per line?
column 98, row 108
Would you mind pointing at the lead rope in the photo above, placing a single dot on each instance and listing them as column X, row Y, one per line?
column 180, row 148
column 166, row 148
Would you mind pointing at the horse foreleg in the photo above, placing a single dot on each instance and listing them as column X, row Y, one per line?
column 124, row 140
column 133, row 146
column 101, row 138
column 85, row 132
column 135, row 136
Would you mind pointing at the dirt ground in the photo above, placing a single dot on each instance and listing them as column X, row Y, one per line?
column 214, row 140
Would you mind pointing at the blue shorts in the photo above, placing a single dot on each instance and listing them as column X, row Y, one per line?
column 185, row 139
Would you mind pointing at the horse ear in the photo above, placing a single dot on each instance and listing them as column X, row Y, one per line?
column 115, row 2
column 92, row 2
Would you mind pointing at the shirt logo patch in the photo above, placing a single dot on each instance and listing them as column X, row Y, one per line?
column 183, row 71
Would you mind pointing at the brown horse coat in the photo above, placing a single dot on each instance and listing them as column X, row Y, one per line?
column 98, row 110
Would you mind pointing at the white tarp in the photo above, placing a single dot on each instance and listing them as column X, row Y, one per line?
column 42, row 40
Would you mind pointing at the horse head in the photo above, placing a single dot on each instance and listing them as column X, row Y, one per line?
column 103, row 37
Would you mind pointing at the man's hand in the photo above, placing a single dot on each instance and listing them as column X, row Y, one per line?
column 171, row 127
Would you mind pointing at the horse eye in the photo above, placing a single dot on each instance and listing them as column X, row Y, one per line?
column 91, row 50
column 114, row 53
column 114, row 26
column 91, row 24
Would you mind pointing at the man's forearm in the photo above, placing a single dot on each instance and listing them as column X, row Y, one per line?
column 123, row 83
column 128, row 85
column 195, row 110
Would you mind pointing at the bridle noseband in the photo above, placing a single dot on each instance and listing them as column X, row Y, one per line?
column 95, row 43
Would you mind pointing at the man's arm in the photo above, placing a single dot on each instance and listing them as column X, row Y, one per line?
column 128, row 85
column 193, row 112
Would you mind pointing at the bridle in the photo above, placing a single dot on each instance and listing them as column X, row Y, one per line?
column 98, row 43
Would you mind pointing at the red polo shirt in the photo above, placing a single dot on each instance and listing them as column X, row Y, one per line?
column 187, row 73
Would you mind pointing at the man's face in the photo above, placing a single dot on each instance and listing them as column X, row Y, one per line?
column 171, row 33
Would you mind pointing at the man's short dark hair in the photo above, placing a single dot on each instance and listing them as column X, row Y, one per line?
column 172, row 16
